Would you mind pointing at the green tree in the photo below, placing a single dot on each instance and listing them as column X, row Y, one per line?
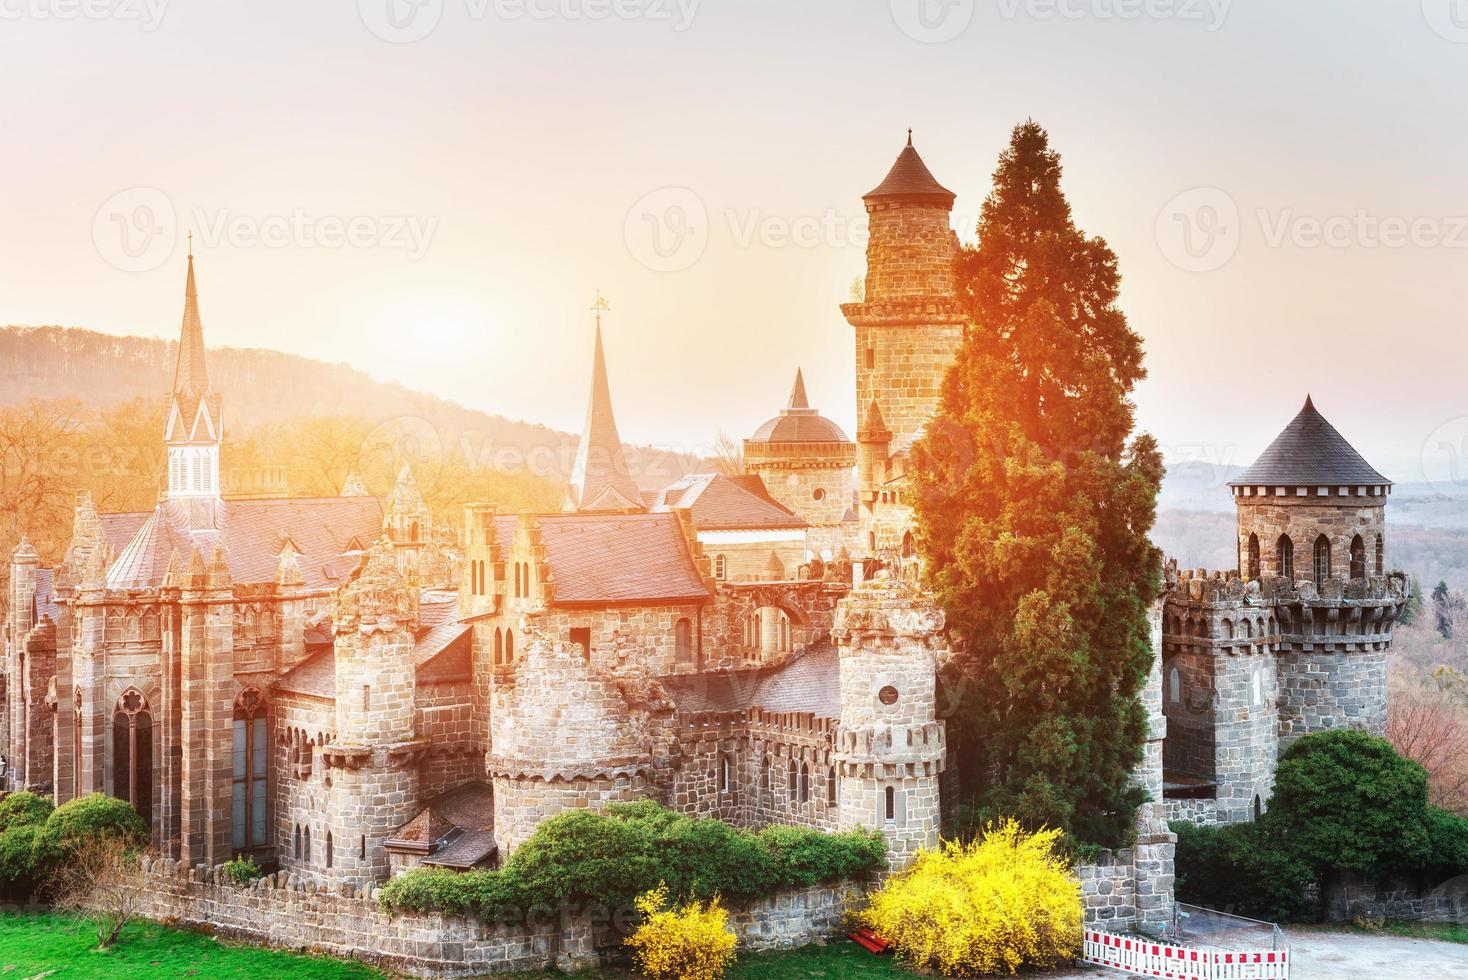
column 1345, row 801
column 1034, row 501
column 1441, row 600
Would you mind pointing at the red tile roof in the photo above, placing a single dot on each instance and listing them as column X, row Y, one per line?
column 718, row 502
column 252, row 534
column 619, row 559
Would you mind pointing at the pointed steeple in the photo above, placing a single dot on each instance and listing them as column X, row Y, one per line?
column 600, row 480
column 797, row 394
column 192, row 373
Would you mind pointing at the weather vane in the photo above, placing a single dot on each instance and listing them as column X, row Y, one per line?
column 600, row 306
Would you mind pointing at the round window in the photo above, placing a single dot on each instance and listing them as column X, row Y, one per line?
column 887, row 695
column 819, row 494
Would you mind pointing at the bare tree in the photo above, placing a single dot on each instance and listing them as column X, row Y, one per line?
column 728, row 455
column 1430, row 727
column 101, row 883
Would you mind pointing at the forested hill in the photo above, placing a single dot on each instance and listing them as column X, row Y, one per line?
column 265, row 386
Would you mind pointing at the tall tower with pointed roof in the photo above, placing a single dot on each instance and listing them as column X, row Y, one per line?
column 805, row 462
column 601, row 479
column 908, row 327
column 194, row 428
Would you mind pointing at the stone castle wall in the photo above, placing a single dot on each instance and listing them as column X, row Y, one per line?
column 818, row 494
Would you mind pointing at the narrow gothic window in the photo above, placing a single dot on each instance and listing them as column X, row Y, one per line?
column 1253, row 556
column 509, row 647
column 721, row 567
column 683, row 641
column 251, row 759
column 1358, row 557
column 1322, row 559
column 1286, row 557
column 1380, row 555
column 306, row 838
column 362, row 854
column 132, row 753
column 871, row 357
column 76, row 742
column 804, row 783
column 831, row 786
column 499, row 646
column 1174, row 686
column 298, row 843
column 329, row 854
column 891, row 804
column 723, row 774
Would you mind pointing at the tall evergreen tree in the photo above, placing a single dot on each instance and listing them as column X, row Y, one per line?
column 1034, row 502
column 1441, row 602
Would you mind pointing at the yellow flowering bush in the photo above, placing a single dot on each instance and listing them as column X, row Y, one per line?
column 1005, row 901
column 691, row 942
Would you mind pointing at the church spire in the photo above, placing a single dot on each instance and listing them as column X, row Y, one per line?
column 798, row 400
column 193, row 431
column 600, row 480
column 192, row 373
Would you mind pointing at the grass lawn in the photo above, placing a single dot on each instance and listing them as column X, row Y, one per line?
column 1428, row 930
column 57, row 946
column 838, row 961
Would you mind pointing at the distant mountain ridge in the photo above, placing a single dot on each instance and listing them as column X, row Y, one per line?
column 263, row 386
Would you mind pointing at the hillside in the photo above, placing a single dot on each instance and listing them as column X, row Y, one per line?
column 264, row 386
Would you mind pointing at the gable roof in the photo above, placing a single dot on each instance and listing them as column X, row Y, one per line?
column 251, row 534
column 719, row 502
column 1310, row 452
column 619, row 559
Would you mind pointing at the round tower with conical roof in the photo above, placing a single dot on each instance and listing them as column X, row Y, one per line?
column 908, row 327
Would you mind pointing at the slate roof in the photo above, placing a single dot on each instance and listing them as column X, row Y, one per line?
column 252, row 533
column 457, row 827
column 719, row 502
column 910, row 180
column 119, row 528
column 619, row 559
column 806, row 683
column 1310, row 452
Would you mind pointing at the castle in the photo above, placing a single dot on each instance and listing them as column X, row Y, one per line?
column 328, row 686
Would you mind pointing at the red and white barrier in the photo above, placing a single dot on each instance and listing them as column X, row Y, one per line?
column 1154, row 959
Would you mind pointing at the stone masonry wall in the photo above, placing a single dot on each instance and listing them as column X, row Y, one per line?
column 1356, row 897
column 292, row 912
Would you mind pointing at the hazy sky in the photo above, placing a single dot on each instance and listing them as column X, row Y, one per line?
column 1284, row 184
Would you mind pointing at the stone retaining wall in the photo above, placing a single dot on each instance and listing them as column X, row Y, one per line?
column 293, row 912
column 1371, row 900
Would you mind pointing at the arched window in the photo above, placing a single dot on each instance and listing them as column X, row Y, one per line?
column 1253, row 556
column 1380, row 555
column 413, row 532
column 831, row 786
column 76, row 741
column 804, row 783
column 132, row 753
column 1358, row 557
column 1228, row 629
column 499, row 646
column 723, row 774
column 1285, row 557
column 683, row 641
column 251, row 759
column 721, row 567
column 329, row 849
column 306, row 840
column 298, row 844
column 890, row 809
column 908, row 550
column 1258, row 806
column 1322, row 559
column 518, row 591
column 1174, row 686
column 509, row 647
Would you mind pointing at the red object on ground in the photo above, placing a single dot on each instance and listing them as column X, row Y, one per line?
column 869, row 941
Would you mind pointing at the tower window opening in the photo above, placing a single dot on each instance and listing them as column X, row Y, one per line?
column 891, row 805
column 1253, row 556
column 1322, row 559
column 1286, row 557
column 871, row 358
column 1380, row 555
column 721, row 567
column 581, row 639
column 1358, row 557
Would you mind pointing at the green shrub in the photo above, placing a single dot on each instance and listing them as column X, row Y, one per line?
column 23, row 809
column 86, row 818
column 1239, row 869
column 582, row 857
column 242, row 870
column 1448, row 834
column 17, row 865
column 1346, row 801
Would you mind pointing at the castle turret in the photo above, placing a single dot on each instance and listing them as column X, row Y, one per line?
column 890, row 748
column 805, row 462
column 407, row 523
column 195, row 426
column 908, row 324
column 374, row 758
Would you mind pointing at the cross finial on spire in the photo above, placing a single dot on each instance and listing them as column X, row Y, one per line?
column 909, row 136
column 599, row 307
column 191, row 243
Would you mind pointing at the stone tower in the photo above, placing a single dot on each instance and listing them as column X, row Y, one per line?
column 407, row 523
column 805, row 462
column 908, row 327
column 194, row 428
column 374, row 759
column 890, row 747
